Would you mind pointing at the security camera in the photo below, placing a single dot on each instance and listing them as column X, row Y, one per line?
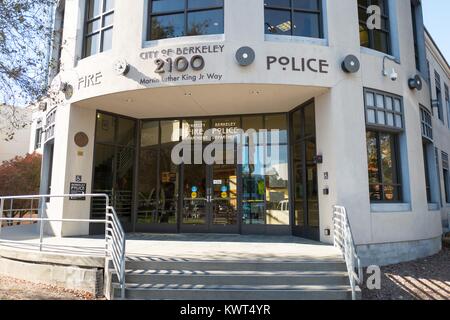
column 394, row 75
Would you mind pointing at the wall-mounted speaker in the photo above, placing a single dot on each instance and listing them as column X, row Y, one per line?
column 351, row 64
column 415, row 83
column 245, row 56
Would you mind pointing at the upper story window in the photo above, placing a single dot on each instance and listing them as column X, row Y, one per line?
column 178, row 18
column 377, row 39
column 438, row 104
column 98, row 27
column 427, row 124
column 447, row 103
column 293, row 17
column 383, row 110
column 415, row 6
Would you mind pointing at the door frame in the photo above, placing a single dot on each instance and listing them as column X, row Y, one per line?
column 208, row 226
column 304, row 231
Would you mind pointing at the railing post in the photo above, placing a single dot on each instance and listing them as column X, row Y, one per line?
column 2, row 202
column 41, row 226
column 122, row 267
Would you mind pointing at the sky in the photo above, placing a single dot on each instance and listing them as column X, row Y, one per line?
column 436, row 15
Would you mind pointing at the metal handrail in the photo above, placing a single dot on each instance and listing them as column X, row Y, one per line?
column 343, row 239
column 115, row 241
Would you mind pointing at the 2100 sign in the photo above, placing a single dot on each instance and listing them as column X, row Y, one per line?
column 180, row 64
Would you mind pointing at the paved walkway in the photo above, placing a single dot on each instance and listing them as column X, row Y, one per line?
column 179, row 246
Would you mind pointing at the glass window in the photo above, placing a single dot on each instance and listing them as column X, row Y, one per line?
column 426, row 161
column 158, row 176
column 377, row 39
column 177, row 18
column 114, row 163
column 98, row 26
column 383, row 109
column 427, row 124
column 384, row 180
column 265, row 197
column 445, row 167
column 437, row 78
column 293, row 18
column 447, row 103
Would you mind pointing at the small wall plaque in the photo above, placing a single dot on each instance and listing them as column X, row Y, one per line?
column 81, row 139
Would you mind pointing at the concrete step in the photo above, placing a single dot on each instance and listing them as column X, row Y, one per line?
column 236, row 277
column 233, row 292
column 332, row 265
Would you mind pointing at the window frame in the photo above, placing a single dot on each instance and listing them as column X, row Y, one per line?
column 185, row 13
column 99, row 31
column 447, row 103
column 292, row 10
column 384, row 15
column 438, row 92
column 426, row 120
column 398, row 185
column 376, row 125
column 446, row 175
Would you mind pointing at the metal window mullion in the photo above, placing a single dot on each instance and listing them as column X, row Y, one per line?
column 380, row 172
column 185, row 17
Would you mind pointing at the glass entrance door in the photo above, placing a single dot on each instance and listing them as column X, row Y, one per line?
column 210, row 188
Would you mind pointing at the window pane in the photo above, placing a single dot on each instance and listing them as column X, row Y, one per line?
column 126, row 132
column 380, row 41
column 381, row 119
column 205, row 22
column 106, row 127
column 169, row 180
column 168, row 26
column 380, row 101
column 371, row 116
column 398, row 121
column 94, row 8
column 170, row 131
column 390, row 119
column 306, row 4
column 277, row 195
column 278, row 22
column 389, row 103
column 372, row 155
column 109, row 5
column 149, row 133
column 364, row 36
column 277, row 122
column 108, row 20
column 370, row 101
column 167, row 5
column 397, row 105
column 306, row 25
column 148, row 195
column 93, row 26
column 107, row 39
column 277, row 3
column 387, row 158
column 198, row 4
column 310, row 121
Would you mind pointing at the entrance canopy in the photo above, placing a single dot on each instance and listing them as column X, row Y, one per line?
column 203, row 100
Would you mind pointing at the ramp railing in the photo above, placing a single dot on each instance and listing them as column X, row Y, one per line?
column 22, row 210
column 343, row 239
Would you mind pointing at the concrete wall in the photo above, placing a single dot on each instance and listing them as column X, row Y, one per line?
column 244, row 90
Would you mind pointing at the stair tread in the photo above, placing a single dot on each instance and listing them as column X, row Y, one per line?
column 181, row 261
column 177, row 287
column 235, row 273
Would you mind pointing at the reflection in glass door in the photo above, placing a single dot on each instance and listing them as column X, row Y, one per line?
column 224, row 195
column 195, row 195
column 304, row 168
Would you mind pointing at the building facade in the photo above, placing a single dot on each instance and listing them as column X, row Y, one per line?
column 342, row 113
column 14, row 132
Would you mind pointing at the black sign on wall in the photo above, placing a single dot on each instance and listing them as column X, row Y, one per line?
column 77, row 188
